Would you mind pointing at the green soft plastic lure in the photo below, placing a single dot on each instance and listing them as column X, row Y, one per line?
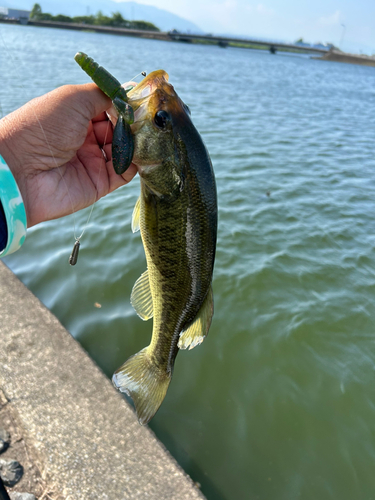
column 123, row 142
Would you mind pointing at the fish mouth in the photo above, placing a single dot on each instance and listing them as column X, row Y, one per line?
column 140, row 95
column 143, row 96
column 147, row 87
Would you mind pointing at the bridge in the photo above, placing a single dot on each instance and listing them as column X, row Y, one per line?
column 176, row 36
column 251, row 43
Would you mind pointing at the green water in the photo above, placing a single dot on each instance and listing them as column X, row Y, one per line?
column 278, row 403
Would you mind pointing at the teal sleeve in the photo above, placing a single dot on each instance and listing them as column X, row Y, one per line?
column 3, row 229
column 14, row 210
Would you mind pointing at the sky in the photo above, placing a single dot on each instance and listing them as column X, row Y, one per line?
column 287, row 20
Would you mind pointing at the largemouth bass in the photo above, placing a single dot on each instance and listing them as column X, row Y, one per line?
column 177, row 216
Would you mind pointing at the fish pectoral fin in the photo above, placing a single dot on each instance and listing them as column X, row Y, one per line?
column 141, row 298
column 135, row 217
column 145, row 382
column 198, row 329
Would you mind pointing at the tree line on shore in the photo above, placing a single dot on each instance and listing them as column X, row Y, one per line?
column 99, row 19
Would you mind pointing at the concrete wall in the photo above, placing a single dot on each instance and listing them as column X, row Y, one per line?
column 86, row 438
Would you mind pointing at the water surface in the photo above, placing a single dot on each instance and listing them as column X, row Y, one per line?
column 278, row 403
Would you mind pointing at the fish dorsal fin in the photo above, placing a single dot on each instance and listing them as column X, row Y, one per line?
column 141, row 298
column 197, row 331
column 135, row 218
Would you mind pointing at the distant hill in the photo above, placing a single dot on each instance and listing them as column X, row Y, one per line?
column 163, row 19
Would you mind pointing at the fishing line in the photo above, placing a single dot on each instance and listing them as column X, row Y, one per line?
column 143, row 73
column 74, row 255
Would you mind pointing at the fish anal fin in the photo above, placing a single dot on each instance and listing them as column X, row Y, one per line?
column 136, row 214
column 141, row 298
column 144, row 382
column 196, row 332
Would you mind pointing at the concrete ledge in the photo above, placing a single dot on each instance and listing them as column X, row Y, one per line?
column 85, row 436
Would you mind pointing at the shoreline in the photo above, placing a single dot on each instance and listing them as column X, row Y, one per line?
column 157, row 35
column 346, row 57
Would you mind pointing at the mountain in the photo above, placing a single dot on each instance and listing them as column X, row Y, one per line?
column 163, row 19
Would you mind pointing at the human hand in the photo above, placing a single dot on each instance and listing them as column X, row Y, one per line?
column 53, row 145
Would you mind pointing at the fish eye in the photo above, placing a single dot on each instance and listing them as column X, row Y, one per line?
column 161, row 119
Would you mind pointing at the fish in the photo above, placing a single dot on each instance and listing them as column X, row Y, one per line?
column 176, row 214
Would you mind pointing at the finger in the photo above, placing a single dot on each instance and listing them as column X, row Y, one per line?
column 126, row 176
column 115, row 180
column 100, row 118
column 128, row 84
column 108, row 151
column 130, row 173
column 90, row 99
column 103, row 132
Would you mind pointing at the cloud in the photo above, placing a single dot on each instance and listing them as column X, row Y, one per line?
column 335, row 18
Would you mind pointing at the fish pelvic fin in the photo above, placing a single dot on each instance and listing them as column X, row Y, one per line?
column 136, row 215
column 197, row 331
column 141, row 298
column 146, row 383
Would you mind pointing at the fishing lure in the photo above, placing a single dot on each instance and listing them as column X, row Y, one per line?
column 122, row 142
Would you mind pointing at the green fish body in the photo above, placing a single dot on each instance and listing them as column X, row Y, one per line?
column 177, row 216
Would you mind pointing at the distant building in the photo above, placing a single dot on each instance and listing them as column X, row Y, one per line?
column 19, row 15
column 325, row 46
column 301, row 43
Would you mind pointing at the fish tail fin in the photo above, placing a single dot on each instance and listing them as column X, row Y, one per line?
column 146, row 383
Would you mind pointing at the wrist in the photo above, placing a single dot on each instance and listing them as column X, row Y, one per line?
column 7, row 138
column 11, row 152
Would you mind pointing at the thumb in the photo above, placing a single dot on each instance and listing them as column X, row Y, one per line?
column 89, row 99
